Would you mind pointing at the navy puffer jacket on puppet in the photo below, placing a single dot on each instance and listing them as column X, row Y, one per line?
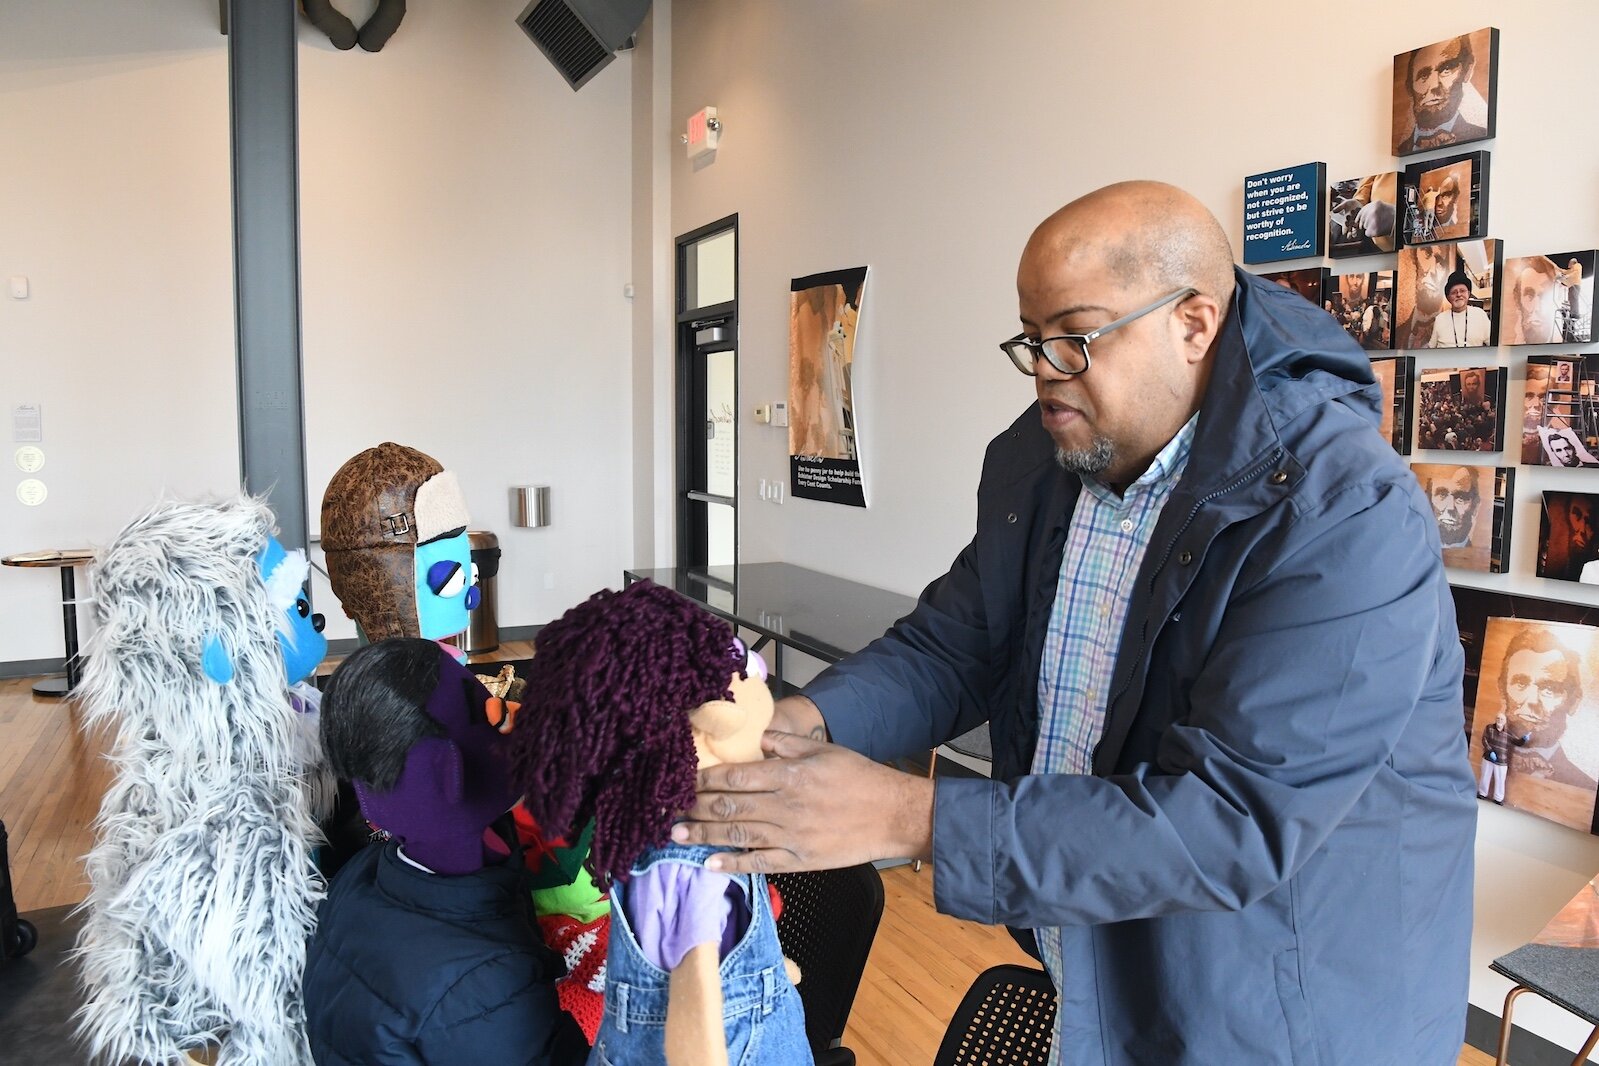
column 411, row 967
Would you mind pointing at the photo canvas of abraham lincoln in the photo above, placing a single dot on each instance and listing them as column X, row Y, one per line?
column 823, row 436
column 1445, row 92
column 1471, row 505
column 1560, row 411
column 1536, row 721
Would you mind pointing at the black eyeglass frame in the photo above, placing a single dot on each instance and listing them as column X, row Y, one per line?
column 1024, row 353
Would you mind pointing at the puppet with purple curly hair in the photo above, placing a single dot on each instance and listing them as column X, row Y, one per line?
column 630, row 694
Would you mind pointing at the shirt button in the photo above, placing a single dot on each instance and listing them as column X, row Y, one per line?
column 1092, row 696
column 1127, row 525
column 1104, row 609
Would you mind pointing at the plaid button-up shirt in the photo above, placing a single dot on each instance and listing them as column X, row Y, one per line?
column 1104, row 548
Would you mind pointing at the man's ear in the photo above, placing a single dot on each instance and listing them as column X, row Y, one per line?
column 1200, row 319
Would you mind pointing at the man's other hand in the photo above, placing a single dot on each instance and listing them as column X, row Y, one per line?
column 813, row 806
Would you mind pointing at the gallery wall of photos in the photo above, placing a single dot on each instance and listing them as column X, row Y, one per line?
column 1445, row 279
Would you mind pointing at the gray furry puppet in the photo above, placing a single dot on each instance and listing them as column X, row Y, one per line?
column 203, row 889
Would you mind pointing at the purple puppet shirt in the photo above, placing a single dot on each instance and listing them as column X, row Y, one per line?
column 673, row 906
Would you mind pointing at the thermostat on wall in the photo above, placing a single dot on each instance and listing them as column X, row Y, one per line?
column 780, row 413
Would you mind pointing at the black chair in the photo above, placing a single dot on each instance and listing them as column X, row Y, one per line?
column 829, row 921
column 17, row 935
column 1007, row 1017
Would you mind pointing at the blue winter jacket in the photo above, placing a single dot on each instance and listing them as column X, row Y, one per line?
column 409, row 968
column 1272, row 860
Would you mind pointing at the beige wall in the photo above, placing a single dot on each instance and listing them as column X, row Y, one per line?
column 117, row 209
column 926, row 139
column 465, row 240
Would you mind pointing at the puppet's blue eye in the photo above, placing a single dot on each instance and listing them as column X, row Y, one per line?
column 446, row 578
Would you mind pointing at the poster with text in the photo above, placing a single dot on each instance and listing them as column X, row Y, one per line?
column 1283, row 213
column 823, row 442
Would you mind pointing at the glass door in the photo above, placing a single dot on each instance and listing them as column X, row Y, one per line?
column 707, row 403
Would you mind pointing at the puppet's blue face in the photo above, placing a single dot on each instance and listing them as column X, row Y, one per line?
column 446, row 586
column 300, row 636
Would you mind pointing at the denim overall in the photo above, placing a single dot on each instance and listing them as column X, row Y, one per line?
column 761, row 1010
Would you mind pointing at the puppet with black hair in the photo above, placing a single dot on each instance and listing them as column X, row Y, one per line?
column 631, row 693
column 202, row 887
column 425, row 951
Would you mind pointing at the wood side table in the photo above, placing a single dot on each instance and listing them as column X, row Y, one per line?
column 66, row 560
column 1561, row 965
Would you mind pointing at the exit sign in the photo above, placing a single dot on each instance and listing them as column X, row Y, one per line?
column 704, row 131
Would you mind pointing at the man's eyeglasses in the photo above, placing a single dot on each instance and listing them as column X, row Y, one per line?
column 1068, row 353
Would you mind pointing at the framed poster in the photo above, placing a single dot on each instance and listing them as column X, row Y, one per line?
column 1560, row 412
column 1472, row 507
column 1446, row 295
column 1568, row 537
column 1363, row 304
column 1363, row 215
column 1396, row 375
column 1308, row 282
column 1282, row 213
column 1445, row 199
column 1535, row 727
column 823, row 445
column 1446, row 93
column 1462, row 409
column 1474, row 608
column 1549, row 299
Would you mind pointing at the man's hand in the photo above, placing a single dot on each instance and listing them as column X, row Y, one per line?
column 815, row 806
column 799, row 716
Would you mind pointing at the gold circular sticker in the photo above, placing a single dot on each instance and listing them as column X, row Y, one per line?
column 32, row 492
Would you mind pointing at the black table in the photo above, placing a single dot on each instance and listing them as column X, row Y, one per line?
column 823, row 616
column 64, row 560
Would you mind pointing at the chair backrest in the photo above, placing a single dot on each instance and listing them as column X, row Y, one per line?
column 829, row 920
column 1007, row 1016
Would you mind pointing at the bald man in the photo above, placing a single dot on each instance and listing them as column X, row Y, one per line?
column 1205, row 617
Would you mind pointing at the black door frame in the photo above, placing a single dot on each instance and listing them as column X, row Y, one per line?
column 690, row 396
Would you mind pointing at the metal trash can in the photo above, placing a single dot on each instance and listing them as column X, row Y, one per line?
column 483, row 634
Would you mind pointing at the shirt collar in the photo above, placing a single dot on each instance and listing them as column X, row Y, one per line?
column 1168, row 465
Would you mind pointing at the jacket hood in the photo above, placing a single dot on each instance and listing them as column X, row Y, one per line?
column 1301, row 357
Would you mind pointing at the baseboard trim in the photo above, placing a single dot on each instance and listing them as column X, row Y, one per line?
column 343, row 646
column 1526, row 1049
column 29, row 668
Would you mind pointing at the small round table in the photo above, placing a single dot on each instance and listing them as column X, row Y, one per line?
column 65, row 560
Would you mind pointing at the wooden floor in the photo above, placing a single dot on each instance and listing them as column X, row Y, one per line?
column 52, row 777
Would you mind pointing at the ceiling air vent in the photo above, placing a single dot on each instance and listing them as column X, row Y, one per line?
column 581, row 36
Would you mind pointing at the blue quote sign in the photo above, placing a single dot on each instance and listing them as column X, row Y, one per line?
column 1283, row 213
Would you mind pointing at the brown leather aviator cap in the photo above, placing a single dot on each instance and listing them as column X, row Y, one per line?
column 371, row 500
column 369, row 536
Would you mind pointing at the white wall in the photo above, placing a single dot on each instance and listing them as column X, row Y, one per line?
column 114, row 123
column 465, row 237
column 927, row 139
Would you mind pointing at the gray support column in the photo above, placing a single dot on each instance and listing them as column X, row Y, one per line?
column 263, row 114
